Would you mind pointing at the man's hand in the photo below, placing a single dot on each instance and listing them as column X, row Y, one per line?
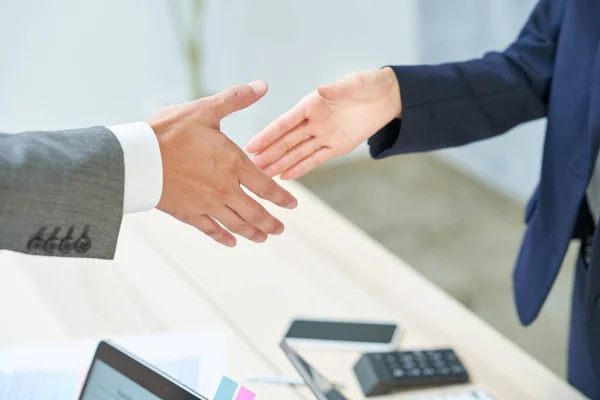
column 204, row 170
column 329, row 122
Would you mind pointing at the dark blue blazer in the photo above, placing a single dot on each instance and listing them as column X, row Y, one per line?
column 552, row 70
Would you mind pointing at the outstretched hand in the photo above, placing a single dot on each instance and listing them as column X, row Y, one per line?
column 204, row 171
column 329, row 122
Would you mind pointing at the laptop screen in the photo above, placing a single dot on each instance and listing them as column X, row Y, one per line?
column 106, row 383
column 116, row 374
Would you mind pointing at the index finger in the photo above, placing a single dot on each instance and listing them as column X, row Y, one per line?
column 276, row 129
column 259, row 183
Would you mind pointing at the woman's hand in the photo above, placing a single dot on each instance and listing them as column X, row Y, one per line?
column 329, row 122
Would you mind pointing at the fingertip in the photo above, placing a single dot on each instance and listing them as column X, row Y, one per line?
column 260, row 237
column 325, row 91
column 254, row 146
column 291, row 203
column 229, row 241
column 260, row 87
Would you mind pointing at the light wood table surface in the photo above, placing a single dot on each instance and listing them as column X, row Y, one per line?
column 167, row 276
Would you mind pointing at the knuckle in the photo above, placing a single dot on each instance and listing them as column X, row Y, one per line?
column 239, row 161
column 259, row 215
column 295, row 157
column 286, row 143
column 235, row 96
column 203, row 108
column 268, row 190
column 210, row 230
column 239, row 227
column 230, row 167
column 201, row 104
column 222, row 192
column 284, row 126
column 233, row 160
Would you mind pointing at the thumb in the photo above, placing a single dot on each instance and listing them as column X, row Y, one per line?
column 339, row 90
column 239, row 97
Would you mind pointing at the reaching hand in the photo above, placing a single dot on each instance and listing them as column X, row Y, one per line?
column 204, row 170
column 329, row 122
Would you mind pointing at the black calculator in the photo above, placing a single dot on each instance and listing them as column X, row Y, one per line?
column 381, row 373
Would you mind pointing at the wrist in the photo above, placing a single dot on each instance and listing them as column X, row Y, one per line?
column 142, row 161
column 159, row 125
column 394, row 98
column 164, row 146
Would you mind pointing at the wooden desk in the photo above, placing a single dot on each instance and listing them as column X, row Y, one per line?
column 167, row 276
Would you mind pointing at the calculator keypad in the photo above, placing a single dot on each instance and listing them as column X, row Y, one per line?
column 429, row 363
column 378, row 373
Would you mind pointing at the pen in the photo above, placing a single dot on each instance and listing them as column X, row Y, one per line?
column 276, row 380
column 279, row 380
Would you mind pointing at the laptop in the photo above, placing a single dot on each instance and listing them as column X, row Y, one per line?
column 324, row 389
column 117, row 374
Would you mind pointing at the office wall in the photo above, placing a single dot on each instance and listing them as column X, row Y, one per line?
column 69, row 63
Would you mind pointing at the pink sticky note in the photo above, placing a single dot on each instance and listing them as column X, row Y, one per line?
column 245, row 394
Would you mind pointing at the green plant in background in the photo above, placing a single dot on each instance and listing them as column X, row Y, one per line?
column 194, row 42
column 187, row 18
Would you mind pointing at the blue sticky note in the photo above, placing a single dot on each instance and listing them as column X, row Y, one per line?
column 226, row 389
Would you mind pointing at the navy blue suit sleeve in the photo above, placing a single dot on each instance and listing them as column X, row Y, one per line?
column 453, row 104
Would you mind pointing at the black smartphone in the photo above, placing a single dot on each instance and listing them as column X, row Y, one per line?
column 353, row 335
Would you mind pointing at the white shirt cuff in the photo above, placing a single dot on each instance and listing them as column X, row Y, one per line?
column 143, row 166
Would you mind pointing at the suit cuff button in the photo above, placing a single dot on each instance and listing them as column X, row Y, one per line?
column 66, row 246
column 83, row 245
column 51, row 245
column 35, row 245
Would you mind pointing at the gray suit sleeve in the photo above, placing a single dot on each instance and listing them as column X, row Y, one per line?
column 61, row 193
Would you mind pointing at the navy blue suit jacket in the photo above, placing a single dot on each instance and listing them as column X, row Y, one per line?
column 552, row 70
